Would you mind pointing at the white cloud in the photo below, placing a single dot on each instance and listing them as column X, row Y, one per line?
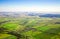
column 31, row 9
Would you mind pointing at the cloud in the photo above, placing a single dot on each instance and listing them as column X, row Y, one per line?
column 31, row 9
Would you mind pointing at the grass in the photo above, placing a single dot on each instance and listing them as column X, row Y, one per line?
column 7, row 36
column 29, row 28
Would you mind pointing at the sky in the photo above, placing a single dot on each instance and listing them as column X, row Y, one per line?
column 30, row 5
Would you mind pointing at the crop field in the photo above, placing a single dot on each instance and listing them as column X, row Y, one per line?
column 29, row 28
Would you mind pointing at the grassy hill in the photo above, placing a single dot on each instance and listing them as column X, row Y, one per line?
column 30, row 27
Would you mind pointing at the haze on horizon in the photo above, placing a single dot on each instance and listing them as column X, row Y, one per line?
column 30, row 6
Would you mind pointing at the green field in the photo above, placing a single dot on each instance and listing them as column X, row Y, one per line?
column 29, row 28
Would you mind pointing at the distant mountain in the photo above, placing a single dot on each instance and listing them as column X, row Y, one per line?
column 9, row 14
column 50, row 15
column 22, row 14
